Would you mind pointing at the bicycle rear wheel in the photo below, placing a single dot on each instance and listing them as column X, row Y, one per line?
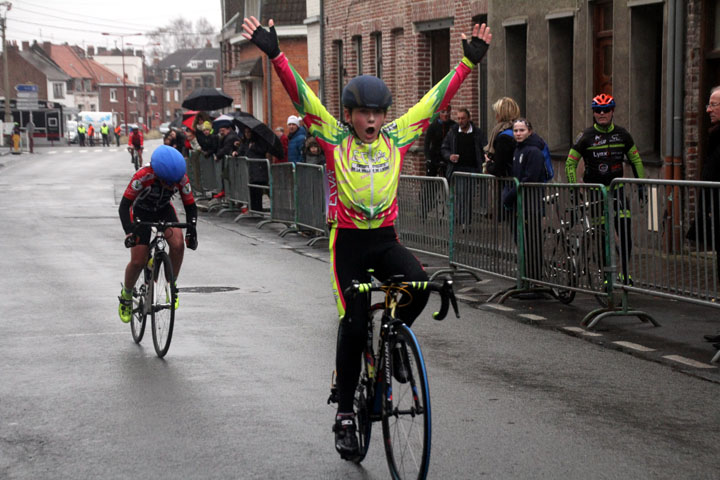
column 406, row 410
column 137, row 324
column 363, row 411
column 163, row 308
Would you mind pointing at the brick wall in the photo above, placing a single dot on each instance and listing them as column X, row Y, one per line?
column 693, row 99
column 21, row 72
column 406, row 54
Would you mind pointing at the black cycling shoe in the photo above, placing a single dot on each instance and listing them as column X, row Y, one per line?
column 400, row 370
column 346, row 441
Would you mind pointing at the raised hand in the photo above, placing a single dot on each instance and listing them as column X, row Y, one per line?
column 264, row 40
column 479, row 43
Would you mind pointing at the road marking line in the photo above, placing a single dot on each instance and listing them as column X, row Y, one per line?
column 532, row 316
column 83, row 151
column 687, row 361
column 582, row 331
column 634, row 346
column 52, row 152
column 502, row 308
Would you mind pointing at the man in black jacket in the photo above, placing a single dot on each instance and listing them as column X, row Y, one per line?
column 711, row 173
column 226, row 144
column 463, row 150
column 434, row 162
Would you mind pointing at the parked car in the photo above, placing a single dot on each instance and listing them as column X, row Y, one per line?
column 164, row 127
column 71, row 131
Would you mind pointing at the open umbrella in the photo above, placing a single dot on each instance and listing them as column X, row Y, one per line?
column 244, row 120
column 207, row 99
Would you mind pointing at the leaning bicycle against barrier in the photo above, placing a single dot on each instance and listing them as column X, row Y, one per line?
column 364, row 161
column 604, row 147
column 148, row 198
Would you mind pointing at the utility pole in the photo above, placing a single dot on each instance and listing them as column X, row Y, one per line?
column 122, row 56
column 6, row 74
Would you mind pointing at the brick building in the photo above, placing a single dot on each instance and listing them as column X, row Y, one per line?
column 31, row 66
column 247, row 75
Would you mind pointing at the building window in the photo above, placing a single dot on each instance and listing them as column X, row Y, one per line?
column 560, row 83
column 113, row 95
column 176, row 75
column 81, row 107
column 646, row 44
column 210, row 64
column 93, row 107
column 208, row 81
column 188, row 84
column 340, row 72
column 515, row 62
column 439, row 54
column 153, row 97
column 167, row 95
column 58, row 90
column 177, row 95
column 252, row 7
column 377, row 37
column 198, row 82
column 357, row 49
column 87, row 85
column 602, row 47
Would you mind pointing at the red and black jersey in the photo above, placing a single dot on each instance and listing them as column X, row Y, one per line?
column 146, row 192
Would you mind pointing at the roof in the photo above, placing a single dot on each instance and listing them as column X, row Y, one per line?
column 67, row 58
column 102, row 74
column 181, row 58
column 44, row 65
column 283, row 12
column 248, row 68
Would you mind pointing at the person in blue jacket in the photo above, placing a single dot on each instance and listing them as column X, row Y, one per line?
column 529, row 167
column 296, row 140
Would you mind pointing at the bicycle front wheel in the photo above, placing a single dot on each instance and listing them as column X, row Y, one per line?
column 406, row 409
column 163, row 307
column 137, row 324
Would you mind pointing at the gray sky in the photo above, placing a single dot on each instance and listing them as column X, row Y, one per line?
column 81, row 22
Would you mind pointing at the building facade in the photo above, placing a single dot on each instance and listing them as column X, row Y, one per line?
column 247, row 75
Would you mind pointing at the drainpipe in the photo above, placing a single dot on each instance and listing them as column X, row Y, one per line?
column 673, row 119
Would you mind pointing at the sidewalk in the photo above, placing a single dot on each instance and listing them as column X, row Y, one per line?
column 678, row 342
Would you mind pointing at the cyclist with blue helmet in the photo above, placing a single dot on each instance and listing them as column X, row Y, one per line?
column 364, row 157
column 148, row 198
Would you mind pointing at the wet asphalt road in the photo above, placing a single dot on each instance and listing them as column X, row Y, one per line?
column 242, row 391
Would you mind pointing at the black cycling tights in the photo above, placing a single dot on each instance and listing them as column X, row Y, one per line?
column 354, row 252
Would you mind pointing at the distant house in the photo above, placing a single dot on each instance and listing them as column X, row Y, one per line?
column 183, row 71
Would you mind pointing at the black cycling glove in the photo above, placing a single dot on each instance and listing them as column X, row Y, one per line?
column 475, row 50
column 191, row 238
column 131, row 240
column 266, row 41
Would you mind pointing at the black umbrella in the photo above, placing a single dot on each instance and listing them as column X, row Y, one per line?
column 207, row 99
column 244, row 120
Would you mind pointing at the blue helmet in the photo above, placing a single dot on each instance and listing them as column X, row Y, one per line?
column 366, row 91
column 168, row 164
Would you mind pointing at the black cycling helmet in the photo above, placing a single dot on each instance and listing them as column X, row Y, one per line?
column 603, row 101
column 366, row 91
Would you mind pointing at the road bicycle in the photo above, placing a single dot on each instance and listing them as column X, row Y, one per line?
column 155, row 292
column 576, row 258
column 398, row 395
column 134, row 158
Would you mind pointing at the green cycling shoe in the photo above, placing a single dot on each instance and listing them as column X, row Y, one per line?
column 126, row 305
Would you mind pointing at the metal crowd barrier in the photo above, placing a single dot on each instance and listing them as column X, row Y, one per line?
column 282, row 200
column 311, row 200
column 423, row 220
column 208, row 176
column 193, row 172
column 482, row 236
column 259, row 180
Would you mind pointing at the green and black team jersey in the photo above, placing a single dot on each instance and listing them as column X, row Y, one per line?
column 603, row 149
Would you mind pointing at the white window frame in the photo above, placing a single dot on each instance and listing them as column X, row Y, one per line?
column 113, row 95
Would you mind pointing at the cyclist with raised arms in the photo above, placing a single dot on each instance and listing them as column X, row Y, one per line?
column 604, row 147
column 364, row 158
column 148, row 198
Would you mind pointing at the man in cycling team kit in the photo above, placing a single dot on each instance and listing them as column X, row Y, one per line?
column 604, row 147
column 364, row 160
column 148, row 198
column 135, row 140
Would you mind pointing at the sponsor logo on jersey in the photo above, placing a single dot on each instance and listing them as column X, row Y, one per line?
column 136, row 185
column 360, row 163
column 186, row 189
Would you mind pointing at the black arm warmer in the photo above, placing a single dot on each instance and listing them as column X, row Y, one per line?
column 124, row 211
column 191, row 213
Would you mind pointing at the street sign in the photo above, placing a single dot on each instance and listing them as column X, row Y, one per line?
column 27, row 97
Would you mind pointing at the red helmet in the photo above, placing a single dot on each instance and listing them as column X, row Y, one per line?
column 603, row 101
